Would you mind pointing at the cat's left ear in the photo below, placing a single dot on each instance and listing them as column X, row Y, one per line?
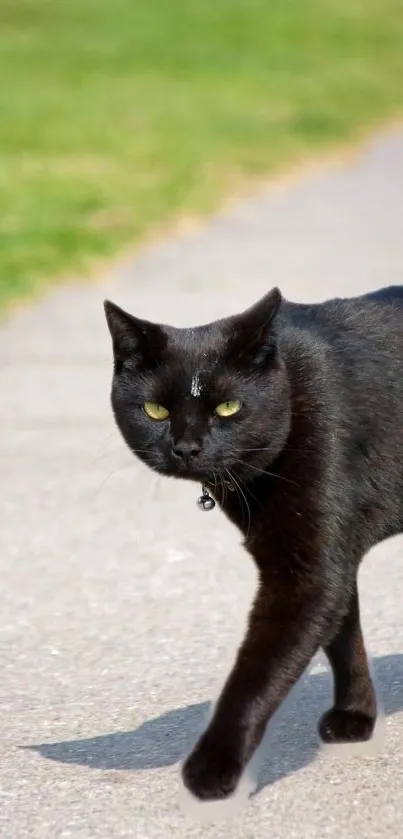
column 132, row 338
column 251, row 332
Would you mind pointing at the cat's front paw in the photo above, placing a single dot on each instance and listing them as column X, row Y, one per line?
column 211, row 772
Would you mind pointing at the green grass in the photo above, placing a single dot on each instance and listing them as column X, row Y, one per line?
column 117, row 115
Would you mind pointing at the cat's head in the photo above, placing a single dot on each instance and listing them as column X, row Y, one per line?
column 201, row 402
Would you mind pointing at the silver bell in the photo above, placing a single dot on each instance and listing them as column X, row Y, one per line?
column 205, row 502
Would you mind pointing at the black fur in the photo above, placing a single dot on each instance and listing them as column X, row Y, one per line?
column 314, row 459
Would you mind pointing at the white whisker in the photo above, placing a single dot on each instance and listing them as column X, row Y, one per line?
column 238, row 487
column 266, row 472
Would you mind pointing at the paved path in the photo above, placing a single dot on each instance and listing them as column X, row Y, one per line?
column 115, row 627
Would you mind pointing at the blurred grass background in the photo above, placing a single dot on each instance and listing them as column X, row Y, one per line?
column 117, row 115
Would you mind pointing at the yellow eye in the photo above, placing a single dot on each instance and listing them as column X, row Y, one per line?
column 227, row 409
column 155, row 411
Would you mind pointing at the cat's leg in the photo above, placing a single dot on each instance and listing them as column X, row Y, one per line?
column 353, row 715
column 286, row 628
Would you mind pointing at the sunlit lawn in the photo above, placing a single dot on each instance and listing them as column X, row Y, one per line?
column 116, row 115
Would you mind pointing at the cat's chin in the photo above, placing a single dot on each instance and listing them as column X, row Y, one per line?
column 196, row 476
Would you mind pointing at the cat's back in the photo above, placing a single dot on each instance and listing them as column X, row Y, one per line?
column 367, row 324
column 345, row 356
column 351, row 350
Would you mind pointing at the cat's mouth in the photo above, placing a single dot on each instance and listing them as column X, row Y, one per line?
column 209, row 476
column 190, row 473
column 196, row 469
column 202, row 473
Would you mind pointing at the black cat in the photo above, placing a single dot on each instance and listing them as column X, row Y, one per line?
column 291, row 417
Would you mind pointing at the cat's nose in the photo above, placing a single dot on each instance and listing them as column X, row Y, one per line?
column 186, row 450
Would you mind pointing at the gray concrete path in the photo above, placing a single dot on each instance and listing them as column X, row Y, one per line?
column 115, row 625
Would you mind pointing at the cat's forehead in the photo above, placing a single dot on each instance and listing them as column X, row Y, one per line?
column 203, row 346
column 195, row 359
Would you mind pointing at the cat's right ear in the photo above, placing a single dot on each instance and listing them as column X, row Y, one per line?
column 131, row 337
column 251, row 334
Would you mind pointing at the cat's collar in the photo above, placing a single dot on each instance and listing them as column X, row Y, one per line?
column 205, row 501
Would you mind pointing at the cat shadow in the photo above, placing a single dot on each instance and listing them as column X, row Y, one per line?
column 290, row 744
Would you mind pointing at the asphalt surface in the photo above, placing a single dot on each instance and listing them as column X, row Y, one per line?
column 122, row 604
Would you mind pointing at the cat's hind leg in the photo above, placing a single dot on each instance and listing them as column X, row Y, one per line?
column 353, row 715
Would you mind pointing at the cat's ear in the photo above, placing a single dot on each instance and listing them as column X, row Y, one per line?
column 131, row 337
column 251, row 332
column 259, row 316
